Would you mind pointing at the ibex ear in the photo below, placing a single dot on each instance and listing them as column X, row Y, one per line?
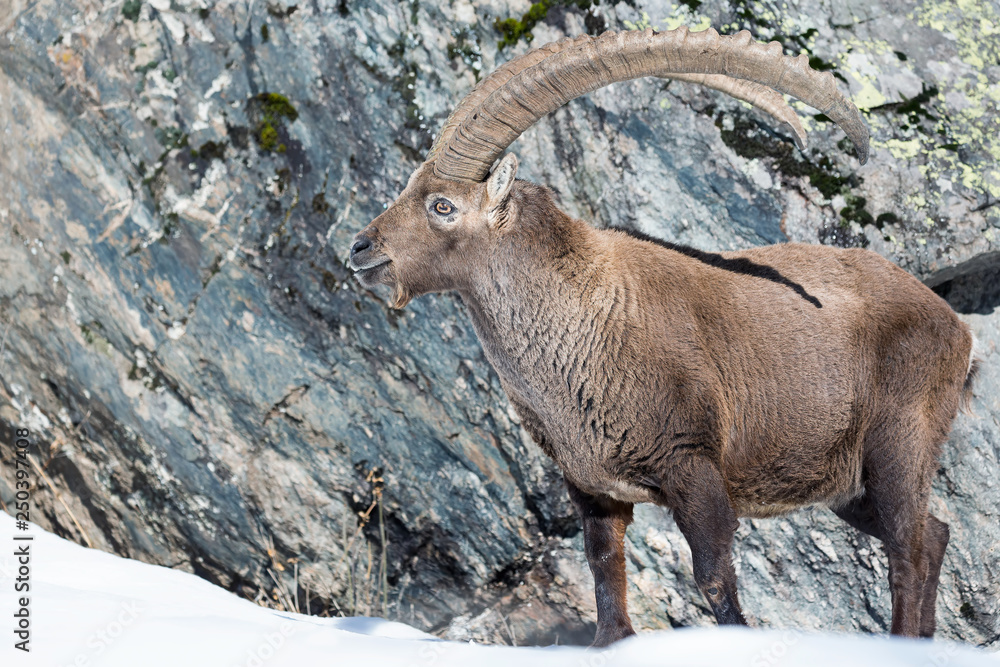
column 501, row 180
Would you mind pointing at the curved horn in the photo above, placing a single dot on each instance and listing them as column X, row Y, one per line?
column 762, row 97
column 518, row 98
column 497, row 78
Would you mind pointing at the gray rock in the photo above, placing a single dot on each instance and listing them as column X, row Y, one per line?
column 209, row 389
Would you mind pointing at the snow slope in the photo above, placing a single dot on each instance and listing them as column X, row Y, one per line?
column 92, row 608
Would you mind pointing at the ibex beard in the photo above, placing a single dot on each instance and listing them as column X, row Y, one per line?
column 744, row 383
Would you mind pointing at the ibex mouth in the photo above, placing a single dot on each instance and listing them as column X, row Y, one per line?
column 372, row 273
column 375, row 263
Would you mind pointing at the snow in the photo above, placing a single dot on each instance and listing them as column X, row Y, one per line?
column 92, row 608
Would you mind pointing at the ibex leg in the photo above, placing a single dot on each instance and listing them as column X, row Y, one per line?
column 696, row 492
column 604, row 523
column 935, row 541
column 897, row 474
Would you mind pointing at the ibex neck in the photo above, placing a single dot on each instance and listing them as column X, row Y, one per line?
column 542, row 288
column 538, row 265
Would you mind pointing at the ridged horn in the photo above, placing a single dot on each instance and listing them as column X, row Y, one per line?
column 766, row 99
column 524, row 91
column 762, row 97
column 497, row 78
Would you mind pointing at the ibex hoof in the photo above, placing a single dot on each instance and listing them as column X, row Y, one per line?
column 610, row 636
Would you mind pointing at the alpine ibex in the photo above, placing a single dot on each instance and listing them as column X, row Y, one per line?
column 718, row 385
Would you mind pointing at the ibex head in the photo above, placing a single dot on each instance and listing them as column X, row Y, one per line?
column 433, row 234
column 431, row 237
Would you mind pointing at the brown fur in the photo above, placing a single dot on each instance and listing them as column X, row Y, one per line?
column 721, row 385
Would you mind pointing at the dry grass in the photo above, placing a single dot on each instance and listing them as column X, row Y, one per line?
column 366, row 568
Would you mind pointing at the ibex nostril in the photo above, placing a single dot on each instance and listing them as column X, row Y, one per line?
column 360, row 246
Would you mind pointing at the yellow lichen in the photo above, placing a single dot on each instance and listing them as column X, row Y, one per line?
column 916, row 201
column 869, row 96
column 641, row 25
column 901, row 150
column 683, row 15
column 966, row 103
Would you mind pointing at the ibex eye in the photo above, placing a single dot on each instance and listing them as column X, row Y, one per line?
column 441, row 207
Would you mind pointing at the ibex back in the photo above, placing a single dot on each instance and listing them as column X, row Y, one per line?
column 720, row 385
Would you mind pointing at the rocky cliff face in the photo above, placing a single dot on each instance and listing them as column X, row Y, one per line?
column 209, row 389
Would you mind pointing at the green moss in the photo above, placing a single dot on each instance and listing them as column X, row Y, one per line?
column 93, row 333
column 171, row 137
column 265, row 33
column 169, row 74
column 278, row 106
column 65, row 256
column 273, row 111
column 855, row 211
column 967, row 611
column 151, row 65
column 884, row 219
column 921, row 115
column 267, row 136
column 210, row 150
column 821, row 65
column 130, row 10
column 466, row 48
column 281, row 12
column 151, row 179
column 748, row 140
column 514, row 29
column 915, row 108
column 406, row 86
column 319, row 203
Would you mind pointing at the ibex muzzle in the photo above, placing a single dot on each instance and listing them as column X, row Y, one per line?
column 720, row 385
